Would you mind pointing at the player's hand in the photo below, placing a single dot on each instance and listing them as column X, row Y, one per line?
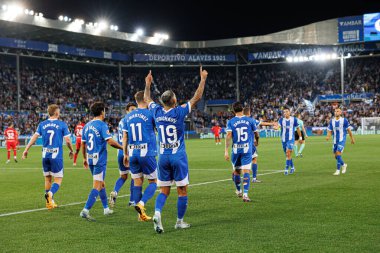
column 24, row 155
column 126, row 160
column 306, row 136
column 203, row 73
column 226, row 156
column 327, row 138
column 71, row 155
column 352, row 140
column 149, row 78
column 85, row 164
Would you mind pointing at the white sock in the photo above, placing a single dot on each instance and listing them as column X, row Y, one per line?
column 179, row 220
column 157, row 213
column 245, row 195
column 141, row 203
column 106, row 209
column 85, row 210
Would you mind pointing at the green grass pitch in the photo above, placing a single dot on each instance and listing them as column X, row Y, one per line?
column 310, row 211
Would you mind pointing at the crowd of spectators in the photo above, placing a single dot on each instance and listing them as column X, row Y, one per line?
column 265, row 88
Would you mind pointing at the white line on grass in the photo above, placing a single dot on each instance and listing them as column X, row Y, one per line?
column 123, row 196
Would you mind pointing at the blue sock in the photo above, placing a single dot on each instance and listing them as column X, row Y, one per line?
column 137, row 193
column 46, row 191
column 237, row 181
column 339, row 159
column 254, row 170
column 91, row 199
column 181, row 207
column 246, row 182
column 149, row 192
column 291, row 163
column 103, row 197
column 338, row 164
column 119, row 183
column 160, row 202
column 54, row 188
column 287, row 164
column 131, row 189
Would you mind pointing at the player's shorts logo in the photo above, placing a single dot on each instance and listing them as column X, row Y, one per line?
column 169, row 145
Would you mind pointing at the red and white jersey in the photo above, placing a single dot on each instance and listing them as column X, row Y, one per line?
column 78, row 130
column 10, row 134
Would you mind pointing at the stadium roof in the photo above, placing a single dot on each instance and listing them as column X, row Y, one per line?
column 29, row 27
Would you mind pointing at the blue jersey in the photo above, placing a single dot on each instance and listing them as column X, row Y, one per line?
column 171, row 127
column 141, row 136
column 52, row 132
column 120, row 129
column 242, row 129
column 96, row 134
column 287, row 128
column 339, row 128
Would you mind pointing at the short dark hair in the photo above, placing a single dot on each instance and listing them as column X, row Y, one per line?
column 167, row 98
column 129, row 105
column 286, row 107
column 139, row 96
column 97, row 108
column 237, row 107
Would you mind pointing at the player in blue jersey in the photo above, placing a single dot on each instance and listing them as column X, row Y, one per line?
column 95, row 137
column 53, row 132
column 123, row 169
column 241, row 130
column 140, row 149
column 339, row 127
column 247, row 112
column 172, row 162
column 288, row 124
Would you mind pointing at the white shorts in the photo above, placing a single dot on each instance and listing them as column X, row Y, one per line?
column 183, row 182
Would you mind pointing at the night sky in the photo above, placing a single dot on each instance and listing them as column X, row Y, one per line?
column 201, row 20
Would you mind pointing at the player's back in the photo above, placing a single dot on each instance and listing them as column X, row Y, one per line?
column 242, row 129
column 96, row 134
column 10, row 134
column 79, row 130
column 141, row 135
column 171, row 127
column 52, row 132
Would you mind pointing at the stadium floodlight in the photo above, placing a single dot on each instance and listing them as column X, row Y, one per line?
column 26, row 11
column 102, row 25
column 60, row 18
column 139, row 32
column 165, row 36
column 65, row 19
column 4, row 7
column 79, row 21
column 114, row 27
column 289, row 59
column 31, row 12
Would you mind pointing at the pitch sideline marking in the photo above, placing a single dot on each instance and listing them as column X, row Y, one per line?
column 122, row 196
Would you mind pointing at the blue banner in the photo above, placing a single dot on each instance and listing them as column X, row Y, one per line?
column 61, row 49
column 278, row 54
column 184, row 58
column 350, row 29
column 352, row 96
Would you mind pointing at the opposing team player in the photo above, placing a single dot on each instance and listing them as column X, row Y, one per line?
column 95, row 137
column 302, row 141
column 172, row 164
column 240, row 131
column 52, row 131
column 216, row 130
column 78, row 134
column 339, row 127
column 140, row 148
column 11, row 138
column 123, row 168
column 247, row 112
column 288, row 124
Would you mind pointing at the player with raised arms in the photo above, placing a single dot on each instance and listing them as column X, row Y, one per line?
column 339, row 127
column 172, row 161
column 95, row 137
column 53, row 131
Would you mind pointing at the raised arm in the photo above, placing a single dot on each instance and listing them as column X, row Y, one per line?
column 201, row 87
column 31, row 143
column 148, row 83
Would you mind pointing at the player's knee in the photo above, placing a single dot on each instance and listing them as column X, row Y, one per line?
column 182, row 191
column 124, row 176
